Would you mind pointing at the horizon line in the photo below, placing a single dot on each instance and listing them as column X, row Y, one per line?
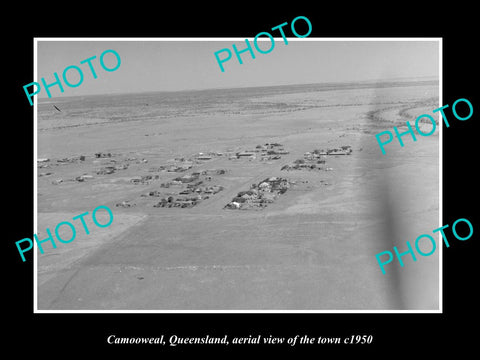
column 366, row 81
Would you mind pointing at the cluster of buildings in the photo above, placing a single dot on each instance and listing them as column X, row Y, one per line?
column 46, row 163
column 316, row 159
column 343, row 150
column 109, row 166
column 144, row 179
column 171, row 168
column 207, row 156
column 310, row 161
column 125, row 204
column 83, row 177
column 193, row 177
column 102, row 155
column 174, row 165
column 183, row 164
column 110, row 169
column 259, row 195
column 267, row 151
column 301, row 164
column 190, row 196
column 192, row 189
column 186, row 202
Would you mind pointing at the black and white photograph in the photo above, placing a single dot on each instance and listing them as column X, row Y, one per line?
column 262, row 187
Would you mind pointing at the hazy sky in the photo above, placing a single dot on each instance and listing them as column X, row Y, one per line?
column 181, row 65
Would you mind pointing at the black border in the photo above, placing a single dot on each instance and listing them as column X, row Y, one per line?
column 409, row 334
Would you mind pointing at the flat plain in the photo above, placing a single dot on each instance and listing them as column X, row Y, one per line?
column 311, row 247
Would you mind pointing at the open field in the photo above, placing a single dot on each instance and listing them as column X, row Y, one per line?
column 310, row 248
